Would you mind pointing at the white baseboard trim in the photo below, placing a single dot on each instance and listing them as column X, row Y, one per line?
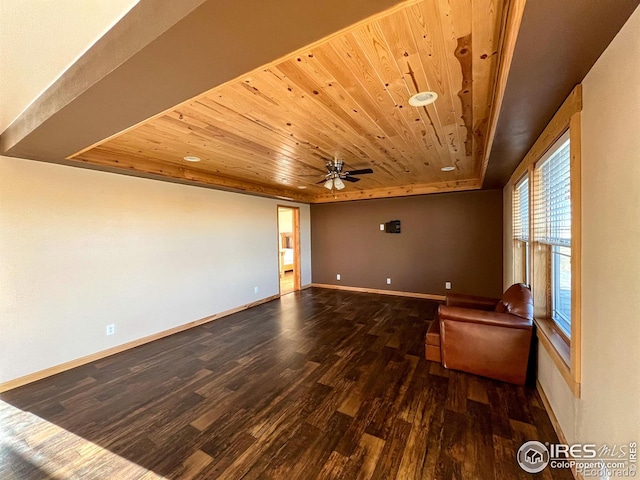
column 427, row 296
column 47, row 372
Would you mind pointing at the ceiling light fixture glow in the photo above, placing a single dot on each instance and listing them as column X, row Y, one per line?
column 301, row 187
column 192, row 158
column 448, row 169
column 329, row 184
column 338, row 183
column 423, row 98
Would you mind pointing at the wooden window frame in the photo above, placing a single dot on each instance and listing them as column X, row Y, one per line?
column 565, row 352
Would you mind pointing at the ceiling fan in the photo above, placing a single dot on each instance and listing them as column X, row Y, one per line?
column 335, row 176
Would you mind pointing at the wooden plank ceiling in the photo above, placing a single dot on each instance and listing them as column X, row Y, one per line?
column 346, row 97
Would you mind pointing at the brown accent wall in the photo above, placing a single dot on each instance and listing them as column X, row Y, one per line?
column 454, row 237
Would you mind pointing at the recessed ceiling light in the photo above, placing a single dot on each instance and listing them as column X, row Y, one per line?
column 191, row 158
column 302, row 187
column 448, row 169
column 423, row 98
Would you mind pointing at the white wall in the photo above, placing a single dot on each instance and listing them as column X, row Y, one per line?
column 608, row 410
column 81, row 249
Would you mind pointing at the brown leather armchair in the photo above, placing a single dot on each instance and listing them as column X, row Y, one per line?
column 488, row 337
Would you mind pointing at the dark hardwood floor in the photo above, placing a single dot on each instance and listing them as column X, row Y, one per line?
column 319, row 384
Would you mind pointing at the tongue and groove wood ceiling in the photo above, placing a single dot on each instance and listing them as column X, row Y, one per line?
column 346, row 97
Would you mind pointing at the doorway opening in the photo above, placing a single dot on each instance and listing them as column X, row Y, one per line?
column 289, row 249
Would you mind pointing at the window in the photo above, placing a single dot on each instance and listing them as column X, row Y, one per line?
column 546, row 220
column 561, row 288
column 521, row 262
column 552, row 231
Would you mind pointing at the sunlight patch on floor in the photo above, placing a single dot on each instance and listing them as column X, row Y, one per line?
column 30, row 445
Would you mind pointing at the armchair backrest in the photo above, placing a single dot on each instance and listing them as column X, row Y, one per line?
column 517, row 300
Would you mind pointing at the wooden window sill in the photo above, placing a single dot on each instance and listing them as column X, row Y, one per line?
column 559, row 351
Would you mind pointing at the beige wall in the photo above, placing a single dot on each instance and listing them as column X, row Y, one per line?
column 45, row 39
column 80, row 249
column 610, row 407
column 285, row 221
column 608, row 410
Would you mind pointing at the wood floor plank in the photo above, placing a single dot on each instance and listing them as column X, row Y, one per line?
column 372, row 448
column 458, row 392
column 453, row 446
column 334, row 466
column 478, row 459
column 313, row 459
column 321, row 384
column 192, row 466
column 394, row 448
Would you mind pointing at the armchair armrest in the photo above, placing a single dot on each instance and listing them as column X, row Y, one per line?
column 469, row 315
column 472, row 301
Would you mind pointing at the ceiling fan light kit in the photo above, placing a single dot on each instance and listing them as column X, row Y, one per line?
column 335, row 176
column 332, row 183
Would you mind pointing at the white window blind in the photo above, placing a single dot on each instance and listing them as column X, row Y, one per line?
column 521, row 210
column 552, row 200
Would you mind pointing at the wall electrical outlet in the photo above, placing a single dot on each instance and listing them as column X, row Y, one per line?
column 111, row 329
column 338, row 276
column 382, row 227
column 447, row 285
column 388, row 281
column 256, row 289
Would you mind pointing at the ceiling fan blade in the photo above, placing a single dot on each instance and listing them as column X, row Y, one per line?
column 351, row 179
column 321, row 181
column 360, row 172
